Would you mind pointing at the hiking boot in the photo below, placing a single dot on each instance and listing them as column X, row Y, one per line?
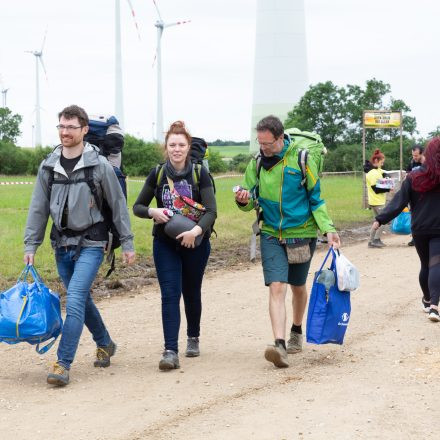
column 169, row 361
column 376, row 243
column 295, row 343
column 426, row 306
column 411, row 243
column 103, row 355
column 59, row 375
column 433, row 315
column 379, row 242
column 277, row 355
column 192, row 348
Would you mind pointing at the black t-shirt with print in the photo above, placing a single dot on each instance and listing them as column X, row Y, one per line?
column 201, row 192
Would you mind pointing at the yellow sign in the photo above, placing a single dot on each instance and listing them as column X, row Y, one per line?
column 381, row 119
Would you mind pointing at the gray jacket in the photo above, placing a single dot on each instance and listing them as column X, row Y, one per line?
column 82, row 208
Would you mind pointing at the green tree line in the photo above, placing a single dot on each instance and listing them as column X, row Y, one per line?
column 332, row 111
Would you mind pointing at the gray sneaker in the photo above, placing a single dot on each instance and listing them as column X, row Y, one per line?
column 376, row 243
column 103, row 355
column 277, row 355
column 295, row 343
column 58, row 376
column 169, row 361
column 192, row 348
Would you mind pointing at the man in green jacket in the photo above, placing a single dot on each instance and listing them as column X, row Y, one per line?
column 292, row 212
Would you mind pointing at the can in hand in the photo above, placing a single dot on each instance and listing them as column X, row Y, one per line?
column 237, row 188
column 168, row 212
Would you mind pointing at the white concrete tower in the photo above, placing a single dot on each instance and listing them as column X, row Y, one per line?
column 280, row 69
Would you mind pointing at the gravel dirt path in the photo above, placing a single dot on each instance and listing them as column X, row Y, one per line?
column 381, row 384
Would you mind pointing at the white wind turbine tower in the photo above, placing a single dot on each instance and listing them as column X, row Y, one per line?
column 38, row 60
column 4, row 91
column 119, row 93
column 160, row 25
column 280, row 70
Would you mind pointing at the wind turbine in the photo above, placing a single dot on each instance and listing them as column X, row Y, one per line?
column 161, row 25
column 4, row 91
column 277, row 90
column 119, row 93
column 38, row 59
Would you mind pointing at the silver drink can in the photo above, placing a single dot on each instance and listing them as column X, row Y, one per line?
column 168, row 212
column 237, row 188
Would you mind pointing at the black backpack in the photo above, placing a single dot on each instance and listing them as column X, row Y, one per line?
column 106, row 134
column 198, row 154
column 103, row 231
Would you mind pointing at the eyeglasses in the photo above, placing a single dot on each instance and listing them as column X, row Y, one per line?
column 265, row 144
column 68, row 127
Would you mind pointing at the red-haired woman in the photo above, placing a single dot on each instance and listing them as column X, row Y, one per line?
column 421, row 189
column 180, row 264
column 376, row 196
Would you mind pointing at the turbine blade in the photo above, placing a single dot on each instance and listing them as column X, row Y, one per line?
column 42, row 65
column 176, row 23
column 44, row 41
column 134, row 18
column 157, row 9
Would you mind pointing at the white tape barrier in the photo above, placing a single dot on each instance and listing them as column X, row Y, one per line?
column 16, row 183
column 225, row 176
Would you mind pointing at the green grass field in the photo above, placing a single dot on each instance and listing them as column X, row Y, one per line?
column 229, row 151
column 342, row 194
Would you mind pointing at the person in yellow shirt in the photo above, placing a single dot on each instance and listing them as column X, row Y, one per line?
column 376, row 196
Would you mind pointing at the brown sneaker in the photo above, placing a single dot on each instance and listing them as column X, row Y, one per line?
column 103, row 355
column 277, row 355
column 295, row 343
column 59, row 375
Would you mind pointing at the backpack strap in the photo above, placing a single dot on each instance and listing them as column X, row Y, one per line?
column 303, row 155
column 258, row 165
column 88, row 175
column 196, row 170
column 88, row 178
column 159, row 173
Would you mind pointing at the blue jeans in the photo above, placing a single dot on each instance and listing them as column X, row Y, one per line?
column 180, row 272
column 78, row 277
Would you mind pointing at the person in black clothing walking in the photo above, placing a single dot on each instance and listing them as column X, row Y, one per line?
column 180, row 262
column 416, row 161
column 421, row 189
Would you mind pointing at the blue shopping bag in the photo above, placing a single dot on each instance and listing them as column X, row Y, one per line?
column 30, row 312
column 329, row 311
column 402, row 224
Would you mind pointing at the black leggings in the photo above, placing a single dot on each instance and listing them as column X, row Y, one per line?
column 428, row 248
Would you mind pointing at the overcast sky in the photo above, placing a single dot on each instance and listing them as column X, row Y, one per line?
column 208, row 63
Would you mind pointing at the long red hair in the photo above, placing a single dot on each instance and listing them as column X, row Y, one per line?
column 428, row 177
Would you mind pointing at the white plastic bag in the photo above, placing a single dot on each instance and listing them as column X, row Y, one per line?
column 348, row 275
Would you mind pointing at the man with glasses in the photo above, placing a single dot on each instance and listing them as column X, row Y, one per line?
column 72, row 183
column 292, row 212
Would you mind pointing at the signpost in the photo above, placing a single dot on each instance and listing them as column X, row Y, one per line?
column 379, row 119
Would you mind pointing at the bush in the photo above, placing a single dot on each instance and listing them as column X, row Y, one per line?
column 216, row 163
column 349, row 157
column 139, row 157
column 238, row 161
column 13, row 160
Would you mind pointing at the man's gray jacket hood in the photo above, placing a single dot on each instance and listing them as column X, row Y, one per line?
column 82, row 209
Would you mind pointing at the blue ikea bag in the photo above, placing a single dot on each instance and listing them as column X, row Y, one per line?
column 329, row 311
column 30, row 312
column 402, row 224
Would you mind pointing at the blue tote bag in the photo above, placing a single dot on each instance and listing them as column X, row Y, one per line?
column 30, row 312
column 402, row 224
column 329, row 311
